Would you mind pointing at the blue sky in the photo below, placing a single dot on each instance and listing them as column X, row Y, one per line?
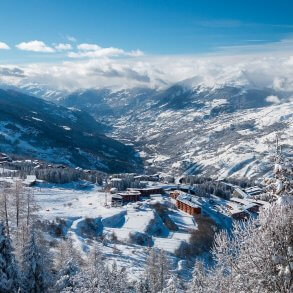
column 71, row 44
column 153, row 26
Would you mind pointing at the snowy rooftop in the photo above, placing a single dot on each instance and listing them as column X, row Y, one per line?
column 240, row 200
column 188, row 199
column 253, row 190
column 241, row 192
column 128, row 192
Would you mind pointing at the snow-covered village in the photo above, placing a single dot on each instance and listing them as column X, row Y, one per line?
column 146, row 146
column 98, row 232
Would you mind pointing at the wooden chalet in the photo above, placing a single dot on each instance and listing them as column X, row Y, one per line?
column 239, row 215
column 236, row 211
column 253, row 191
column 174, row 194
column 246, row 204
column 148, row 191
column 125, row 197
column 186, row 203
column 116, row 200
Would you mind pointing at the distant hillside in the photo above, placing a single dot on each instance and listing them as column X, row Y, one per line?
column 221, row 131
column 37, row 128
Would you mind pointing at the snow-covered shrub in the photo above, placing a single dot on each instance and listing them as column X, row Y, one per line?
column 201, row 239
column 257, row 258
column 280, row 187
column 162, row 211
column 140, row 238
column 90, row 227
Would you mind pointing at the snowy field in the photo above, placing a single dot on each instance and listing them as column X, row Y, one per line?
column 76, row 204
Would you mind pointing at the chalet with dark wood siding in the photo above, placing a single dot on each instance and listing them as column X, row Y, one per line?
column 148, row 191
column 125, row 197
column 187, row 204
column 246, row 204
column 174, row 194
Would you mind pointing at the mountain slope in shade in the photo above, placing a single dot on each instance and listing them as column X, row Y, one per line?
column 36, row 128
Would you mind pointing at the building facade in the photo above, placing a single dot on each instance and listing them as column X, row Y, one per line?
column 186, row 203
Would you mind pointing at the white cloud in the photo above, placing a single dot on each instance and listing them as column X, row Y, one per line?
column 35, row 46
column 95, row 51
column 273, row 99
column 4, row 46
column 102, row 52
column 63, row 47
column 135, row 53
column 290, row 60
column 88, row 47
column 94, row 66
column 162, row 71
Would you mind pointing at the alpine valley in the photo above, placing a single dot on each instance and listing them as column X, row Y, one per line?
column 185, row 128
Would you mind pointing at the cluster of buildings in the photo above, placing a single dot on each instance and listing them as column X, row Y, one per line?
column 240, row 207
column 249, row 192
column 186, row 202
column 235, row 208
column 134, row 194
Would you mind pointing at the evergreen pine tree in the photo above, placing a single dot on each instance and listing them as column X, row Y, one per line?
column 199, row 279
column 68, row 276
column 143, row 285
column 9, row 277
column 173, row 286
column 157, row 270
column 94, row 273
column 35, row 279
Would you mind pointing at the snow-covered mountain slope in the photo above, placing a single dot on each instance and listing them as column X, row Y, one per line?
column 33, row 127
column 35, row 89
column 108, row 102
column 228, row 144
column 221, row 131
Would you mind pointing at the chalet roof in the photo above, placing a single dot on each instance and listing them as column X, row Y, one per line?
column 129, row 192
column 241, row 200
column 241, row 192
column 259, row 202
column 241, row 206
column 254, row 190
column 117, row 197
column 188, row 199
column 30, row 179
column 116, row 179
